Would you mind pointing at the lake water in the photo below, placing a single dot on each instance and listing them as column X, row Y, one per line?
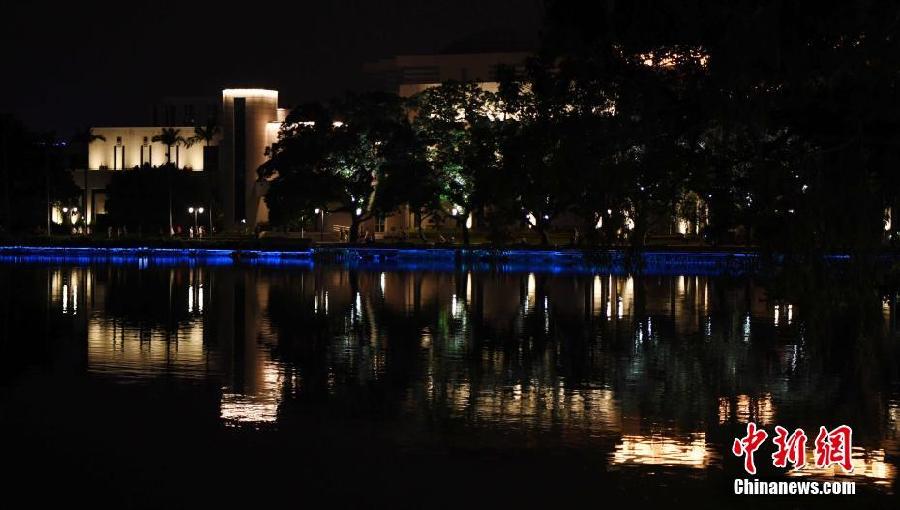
column 182, row 384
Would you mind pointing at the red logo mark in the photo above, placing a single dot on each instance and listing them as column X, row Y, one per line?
column 747, row 445
column 790, row 448
column 834, row 447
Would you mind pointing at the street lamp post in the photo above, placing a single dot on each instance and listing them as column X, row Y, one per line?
column 321, row 214
column 196, row 211
column 67, row 218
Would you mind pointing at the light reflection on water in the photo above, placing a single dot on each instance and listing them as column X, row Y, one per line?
column 869, row 465
column 648, row 371
column 660, row 450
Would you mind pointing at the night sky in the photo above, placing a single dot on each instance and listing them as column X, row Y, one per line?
column 77, row 64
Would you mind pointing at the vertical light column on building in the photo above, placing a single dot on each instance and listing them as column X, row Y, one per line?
column 245, row 116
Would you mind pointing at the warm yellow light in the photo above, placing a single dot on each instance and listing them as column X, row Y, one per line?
column 250, row 93
column 662, row 450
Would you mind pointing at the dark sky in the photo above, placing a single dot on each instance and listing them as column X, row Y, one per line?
column 76, row 64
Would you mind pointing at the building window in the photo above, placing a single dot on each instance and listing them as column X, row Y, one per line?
column 379, row 223
column 240, row 158
column 99, row 202
column 423, row 74
column 118, row 154
column 146, row 153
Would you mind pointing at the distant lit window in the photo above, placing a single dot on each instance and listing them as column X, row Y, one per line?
column 118, row 155
column 99, row 202
column 146, row 153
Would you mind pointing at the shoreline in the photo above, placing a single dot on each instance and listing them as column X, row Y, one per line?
column 662, row 260
column 514, row 259
column 287, row 244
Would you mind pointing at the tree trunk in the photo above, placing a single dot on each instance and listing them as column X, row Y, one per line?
column 84, row 200
column 542, row 230
column 171, row 225
column 49, row 209
column 419, row 229
column 354, row 230
column 465, row 232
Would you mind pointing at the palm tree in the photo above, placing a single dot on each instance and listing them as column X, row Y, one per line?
column 204, row 134
column 170, row 137
column 87, row 137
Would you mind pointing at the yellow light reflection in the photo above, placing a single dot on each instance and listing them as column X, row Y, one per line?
column 869, row 464
column 662, row 450
column 744, row 408
column 259, row 407
column 137, row 353
column 532, row 289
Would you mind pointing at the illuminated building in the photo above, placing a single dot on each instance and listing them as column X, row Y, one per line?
column 249, row 121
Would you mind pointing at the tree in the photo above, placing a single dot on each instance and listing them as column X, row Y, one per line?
column 34, row 177
column 170, row 137
column 332, row 156
column 407, row 178
column 455, row 122
column 86, row 137
column 206, row 134
column 533, row 163
column 135, row 197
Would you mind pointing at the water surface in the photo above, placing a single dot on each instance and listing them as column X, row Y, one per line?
column 145, row 383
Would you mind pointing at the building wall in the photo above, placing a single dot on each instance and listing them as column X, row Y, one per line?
column 411, row 89
column 243, row 151
column 130, row 140
column 460, row 67
column 185, row 111
column 397, row 72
